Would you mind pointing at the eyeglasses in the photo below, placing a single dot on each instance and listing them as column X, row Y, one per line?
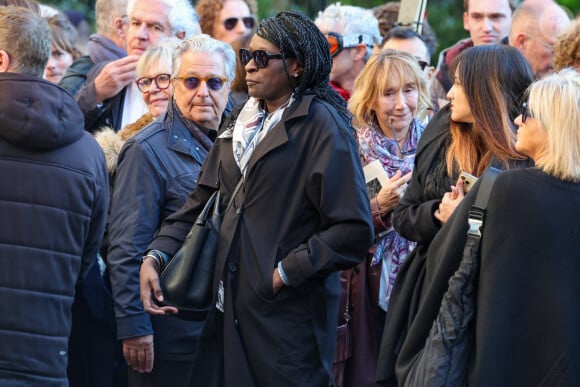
column 162, row 81
column 260, row 57
column 525, row 112
column 231, row 22
column 339, row 42
column 422, row 64
column 213, row 83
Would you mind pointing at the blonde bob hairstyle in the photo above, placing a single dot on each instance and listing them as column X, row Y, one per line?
column 378, row 76
column 159, row 55
column 554, row 101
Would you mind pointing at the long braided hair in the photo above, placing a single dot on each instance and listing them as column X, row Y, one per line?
column 298, row 37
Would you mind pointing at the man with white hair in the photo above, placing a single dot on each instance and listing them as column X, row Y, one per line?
column 535, row 27
column 156, row 171
column 352, row 33
column 107, row 44
column 110, row 97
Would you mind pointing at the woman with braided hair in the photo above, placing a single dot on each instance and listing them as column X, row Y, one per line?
column 301, row 215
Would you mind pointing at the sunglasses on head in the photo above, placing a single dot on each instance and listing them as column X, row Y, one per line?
column 338, row 42
column 260, row 57
column 231, row 22
column 525, row 112
column 162, row 82
column 213, row 83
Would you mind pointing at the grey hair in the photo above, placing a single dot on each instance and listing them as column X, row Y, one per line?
column 182, row 17
column 161, row 54
column 206, row 44
column 25, row 36
column 350, row 20
column 106, row 11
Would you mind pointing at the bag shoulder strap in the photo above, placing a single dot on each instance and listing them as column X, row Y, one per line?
column 477, row 212
column 235, row 192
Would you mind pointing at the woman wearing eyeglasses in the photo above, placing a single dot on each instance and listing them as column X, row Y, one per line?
column 525, row 313
column 475, row 131
column 388, row 94
column 227, row 20
column 300, row 216
column 157, row 168
column 153, row 74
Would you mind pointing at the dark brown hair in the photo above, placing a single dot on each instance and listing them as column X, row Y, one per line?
column 494, row 79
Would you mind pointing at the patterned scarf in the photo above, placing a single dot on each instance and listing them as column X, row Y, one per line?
column 252, row 125
column 392, row 249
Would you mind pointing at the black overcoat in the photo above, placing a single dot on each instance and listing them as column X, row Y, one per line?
column 303, row 202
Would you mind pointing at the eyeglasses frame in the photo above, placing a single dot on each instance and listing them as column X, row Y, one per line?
column 252, row 56
column 154, row 79
column 203, row 79
column 244, row 19
column 525, row 112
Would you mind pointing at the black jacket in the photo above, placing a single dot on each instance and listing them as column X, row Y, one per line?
column 156, row 171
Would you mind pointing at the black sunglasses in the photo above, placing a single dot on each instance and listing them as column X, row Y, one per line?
column 213, row 83
column 260, row 57
column 231, row 22
column 422, row 64
column 525, row 112
column 161, row 80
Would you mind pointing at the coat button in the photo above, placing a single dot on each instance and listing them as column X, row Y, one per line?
column 233, row 267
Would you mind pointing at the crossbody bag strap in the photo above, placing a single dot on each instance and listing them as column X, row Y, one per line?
column 477, row 212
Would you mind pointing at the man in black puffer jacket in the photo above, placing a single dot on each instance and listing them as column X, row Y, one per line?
column 53, row 204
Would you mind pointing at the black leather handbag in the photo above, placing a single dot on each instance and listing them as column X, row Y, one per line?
column 187, row 279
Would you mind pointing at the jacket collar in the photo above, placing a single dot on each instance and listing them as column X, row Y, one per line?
column 180, row 138
column 279, row 135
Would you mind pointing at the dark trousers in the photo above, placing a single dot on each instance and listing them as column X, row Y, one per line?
column 165, row 373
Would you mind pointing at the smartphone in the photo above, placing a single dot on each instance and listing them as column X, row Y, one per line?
column 468, row 181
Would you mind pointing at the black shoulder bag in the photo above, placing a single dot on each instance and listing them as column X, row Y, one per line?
column 187, row 279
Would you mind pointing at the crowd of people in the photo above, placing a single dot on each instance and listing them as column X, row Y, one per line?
column 348, row 166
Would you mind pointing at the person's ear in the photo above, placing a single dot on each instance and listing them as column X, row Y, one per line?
column 4, row 61
column 520, row 41
column 430, row 73
column 465, row 21
column 180, row 35
column 360, row 52
column 119, row 26
column 296, row 69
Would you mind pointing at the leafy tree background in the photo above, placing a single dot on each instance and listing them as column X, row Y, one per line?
column 445, row 16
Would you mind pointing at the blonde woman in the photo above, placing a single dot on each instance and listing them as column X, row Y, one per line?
column 389, row 94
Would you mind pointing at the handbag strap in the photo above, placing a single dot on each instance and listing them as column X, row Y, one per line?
column 477, row 212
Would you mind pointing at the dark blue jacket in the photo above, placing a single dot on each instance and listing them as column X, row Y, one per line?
column 53, row 204
column 156, row 171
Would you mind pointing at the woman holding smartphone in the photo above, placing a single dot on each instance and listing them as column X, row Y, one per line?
column 475, row 131
column 525, row 311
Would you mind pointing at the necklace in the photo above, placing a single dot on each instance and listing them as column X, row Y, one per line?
column 404, row 139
